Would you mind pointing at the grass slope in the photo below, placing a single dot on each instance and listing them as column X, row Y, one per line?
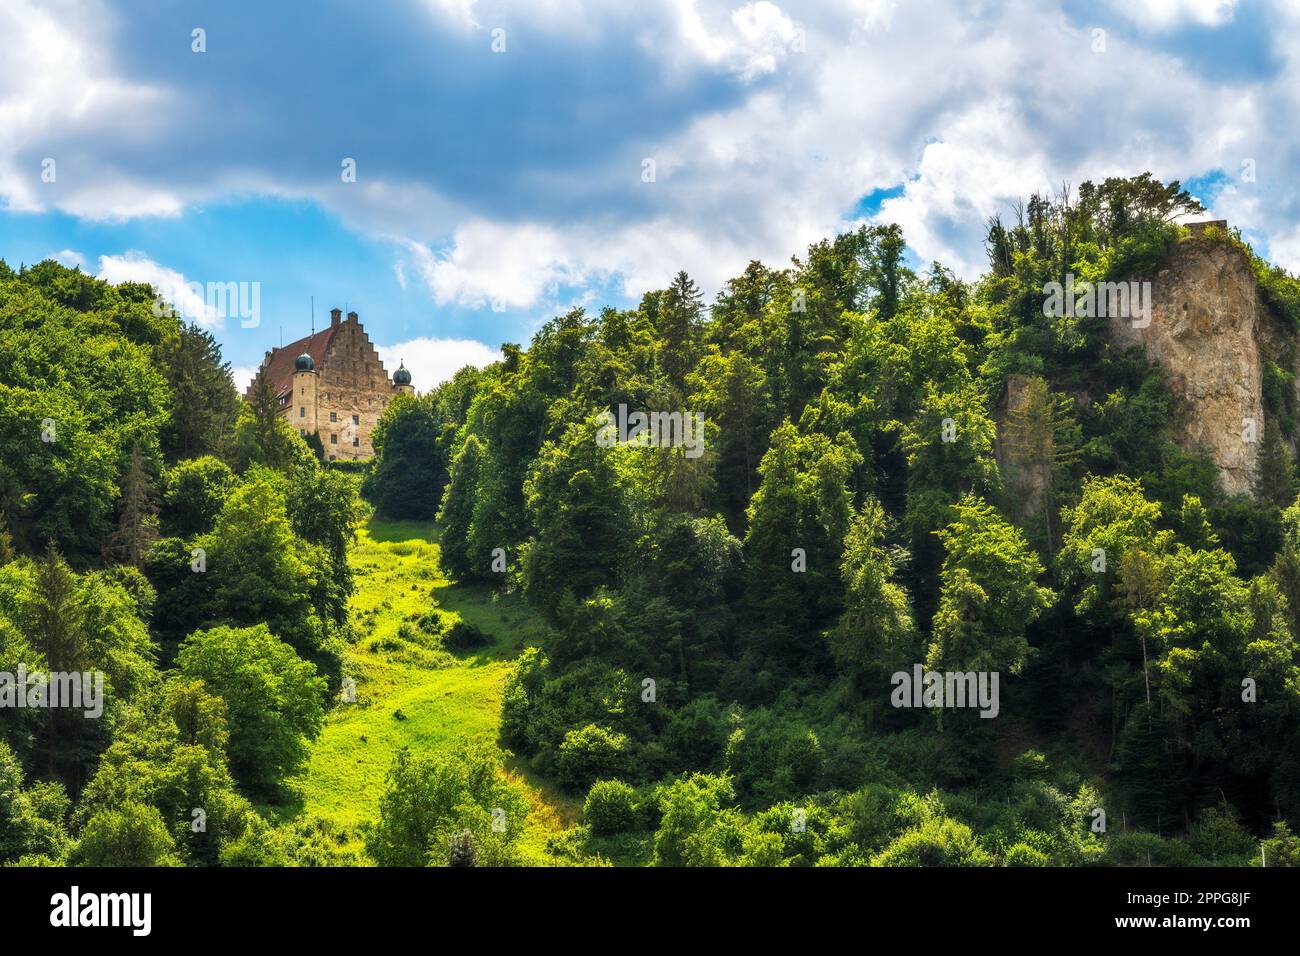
column 412, row 693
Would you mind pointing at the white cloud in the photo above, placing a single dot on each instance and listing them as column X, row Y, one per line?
column 243, row 376
column 1163, row 14
column 970, row 104
column 457, row 12
column 172, row 287
column 432, row 361
column 495, row 265
column 69, row 257
column 754, row 40
column 877, row 14
column 58, row 95
column 785, row 167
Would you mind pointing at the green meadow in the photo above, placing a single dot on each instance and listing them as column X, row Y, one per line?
column 412, row 693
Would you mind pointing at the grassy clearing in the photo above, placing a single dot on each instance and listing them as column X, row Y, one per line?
column 412, row 693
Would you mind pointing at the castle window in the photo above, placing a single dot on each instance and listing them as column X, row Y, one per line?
column 356, row 419
column 356, row 443
column 334, row 439
column 334, row 416
column 302, row 412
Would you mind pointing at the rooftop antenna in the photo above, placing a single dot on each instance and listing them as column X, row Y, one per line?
column 313, row 320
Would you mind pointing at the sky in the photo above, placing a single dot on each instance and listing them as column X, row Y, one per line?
column 460, row 171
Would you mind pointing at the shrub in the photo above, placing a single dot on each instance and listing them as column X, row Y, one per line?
column 611, row 807
column 590, row 753
column 130, row 835
column 1024, row 855
column 430, row 800
column 462, row 636
column 692, row 816
column 1219, row 838
column 697, row 734
column 1140, row 848
column 939, row 841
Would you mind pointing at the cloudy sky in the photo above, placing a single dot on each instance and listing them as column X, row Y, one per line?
column 513, row 160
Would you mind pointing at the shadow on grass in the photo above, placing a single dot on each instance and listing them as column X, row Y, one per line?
column 388, row 531
column 508, row 620
column 285, row 805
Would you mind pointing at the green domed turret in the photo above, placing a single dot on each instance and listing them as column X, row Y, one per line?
column 401, row 376
column 304, row 363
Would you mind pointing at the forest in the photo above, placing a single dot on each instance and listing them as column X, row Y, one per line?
column 716, row 628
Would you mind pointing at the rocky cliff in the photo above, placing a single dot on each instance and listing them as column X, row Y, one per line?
column 1209, row 331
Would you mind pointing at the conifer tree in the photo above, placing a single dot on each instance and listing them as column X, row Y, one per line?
column 137, row 525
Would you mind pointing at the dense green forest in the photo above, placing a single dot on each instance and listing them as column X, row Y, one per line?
column 714, row 682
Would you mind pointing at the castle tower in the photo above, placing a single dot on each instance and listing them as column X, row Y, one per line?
column 304, row 415
column 402, row 381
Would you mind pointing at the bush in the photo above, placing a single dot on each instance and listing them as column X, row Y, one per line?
column 1219, row 838
column 590, row 753
column 938, row 841
column 1024, row 855
column 130, row 835
column 430, row 800
column 697, row 734
column 611, row 807
column 462, row 636
column 1147, row 849
column 692, row 814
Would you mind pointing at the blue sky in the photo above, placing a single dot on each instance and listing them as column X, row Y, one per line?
column 501, row 148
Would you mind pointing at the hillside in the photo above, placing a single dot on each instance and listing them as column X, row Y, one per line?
column 854, row 565
column 409, row 692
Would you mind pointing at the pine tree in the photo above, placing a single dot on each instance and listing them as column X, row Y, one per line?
column 1275, row 479
column 204, row 402
column 679, row 323
column 137, row 526
column 56, row 630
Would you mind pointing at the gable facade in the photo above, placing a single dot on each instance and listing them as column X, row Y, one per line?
column 341, row 396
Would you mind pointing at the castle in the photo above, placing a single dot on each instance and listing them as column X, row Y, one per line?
column 332, row 383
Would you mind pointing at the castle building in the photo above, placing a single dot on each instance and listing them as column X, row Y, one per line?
column 332, row 383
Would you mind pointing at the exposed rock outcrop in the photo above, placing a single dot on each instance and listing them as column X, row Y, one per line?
column 1210, row 334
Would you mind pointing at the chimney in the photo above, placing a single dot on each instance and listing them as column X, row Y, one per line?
column 335, row 314
column 352, row 317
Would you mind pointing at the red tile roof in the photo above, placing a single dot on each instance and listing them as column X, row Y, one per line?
column 279, row 367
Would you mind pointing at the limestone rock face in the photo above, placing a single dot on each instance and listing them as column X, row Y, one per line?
column 1027, row 477
column 1205, row 331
